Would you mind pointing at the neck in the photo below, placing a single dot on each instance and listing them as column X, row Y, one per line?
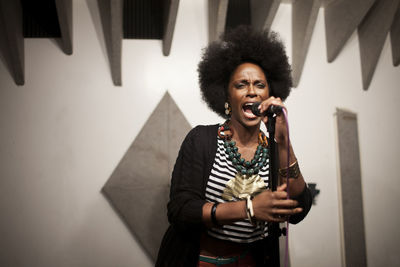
column 244, row 135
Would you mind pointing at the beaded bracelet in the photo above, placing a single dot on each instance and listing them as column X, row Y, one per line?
column 213, row 217
column 292, row 172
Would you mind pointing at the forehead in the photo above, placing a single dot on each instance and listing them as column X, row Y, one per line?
column 248, row 71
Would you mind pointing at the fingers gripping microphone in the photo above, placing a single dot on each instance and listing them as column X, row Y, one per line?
column 269, row 112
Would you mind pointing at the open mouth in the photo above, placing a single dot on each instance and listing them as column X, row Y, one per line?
column 247, row 110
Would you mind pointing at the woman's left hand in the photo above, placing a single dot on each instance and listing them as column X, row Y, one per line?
column 280, row 126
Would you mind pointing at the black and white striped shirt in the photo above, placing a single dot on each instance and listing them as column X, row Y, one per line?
column 221, row 172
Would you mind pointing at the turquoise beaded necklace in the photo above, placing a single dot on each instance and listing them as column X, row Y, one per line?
column 241, row 165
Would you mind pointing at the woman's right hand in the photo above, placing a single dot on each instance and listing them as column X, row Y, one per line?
column 274, row 206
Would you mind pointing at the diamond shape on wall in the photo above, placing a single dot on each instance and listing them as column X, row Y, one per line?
column 138, row 188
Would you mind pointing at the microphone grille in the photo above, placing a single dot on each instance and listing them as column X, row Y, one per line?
column 255, row 110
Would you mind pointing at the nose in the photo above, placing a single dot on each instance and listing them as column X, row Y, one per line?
column 250, row 91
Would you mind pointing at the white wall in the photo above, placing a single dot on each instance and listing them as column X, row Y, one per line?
column 63, row 133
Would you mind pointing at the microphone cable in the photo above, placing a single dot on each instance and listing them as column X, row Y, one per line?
column 287, row 187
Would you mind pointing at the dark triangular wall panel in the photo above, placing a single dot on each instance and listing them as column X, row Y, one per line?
column 395, row 37
column 217, row 11
column 171, row 11
column 304, row 16
column 64, row 12
column 111, row 19
column 12, row 39
column 263, row 13
column 341, row 20
column 372, row 34
column 139, row 186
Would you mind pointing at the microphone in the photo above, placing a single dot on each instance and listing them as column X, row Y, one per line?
column 269, row 112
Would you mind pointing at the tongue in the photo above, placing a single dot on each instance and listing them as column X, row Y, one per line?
column 248, row 113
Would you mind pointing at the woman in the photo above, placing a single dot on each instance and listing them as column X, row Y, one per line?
column 220, row 204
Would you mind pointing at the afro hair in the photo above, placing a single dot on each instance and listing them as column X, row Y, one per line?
column 240, row 45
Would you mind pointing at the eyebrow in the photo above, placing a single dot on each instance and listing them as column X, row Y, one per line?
column 246, row 80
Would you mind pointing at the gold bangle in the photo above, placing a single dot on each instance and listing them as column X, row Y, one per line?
column 292, row 172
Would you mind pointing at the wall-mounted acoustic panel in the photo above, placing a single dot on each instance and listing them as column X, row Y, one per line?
column 341, row 20
column 328, row 2
column 350, row 191
column 139, row 186
column 143, row 19
column 238, row 14
column 372, row 33
column 395, row 38
column 64, row 12
column 111, row 20
column 263, row 13
column 40, row 19
column 12, row 39
column 170, row 13
column 217, row 10
column 304, row 16
column 49, row 19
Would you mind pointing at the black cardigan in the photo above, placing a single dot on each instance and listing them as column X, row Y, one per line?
column 181, row 243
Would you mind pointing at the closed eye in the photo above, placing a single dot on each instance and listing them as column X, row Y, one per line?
column 241, row 84
column 261, row 85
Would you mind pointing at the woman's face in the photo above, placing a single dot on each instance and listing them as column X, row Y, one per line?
column 246, row 86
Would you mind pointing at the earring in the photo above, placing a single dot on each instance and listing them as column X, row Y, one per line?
column 228, row 109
